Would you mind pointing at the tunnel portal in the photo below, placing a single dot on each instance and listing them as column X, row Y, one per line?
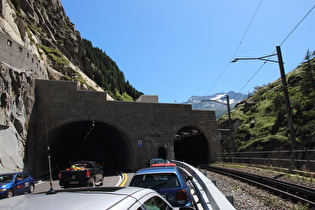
column 81, row 124
column 191, row 145
column 88, row 140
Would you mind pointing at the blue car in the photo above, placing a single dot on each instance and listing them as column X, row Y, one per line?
column 12, row 184
column 169, row 182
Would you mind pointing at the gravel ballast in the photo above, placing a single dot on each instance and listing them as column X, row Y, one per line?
column 250, row 197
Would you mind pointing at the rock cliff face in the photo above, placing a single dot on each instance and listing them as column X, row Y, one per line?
column 38, row 41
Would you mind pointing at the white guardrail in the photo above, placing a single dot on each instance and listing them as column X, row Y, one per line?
column 210, row 197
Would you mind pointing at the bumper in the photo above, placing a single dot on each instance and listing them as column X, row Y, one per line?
column 73, row 183
column 3, row 194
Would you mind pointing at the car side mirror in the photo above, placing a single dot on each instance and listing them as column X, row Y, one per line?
column 188, row 178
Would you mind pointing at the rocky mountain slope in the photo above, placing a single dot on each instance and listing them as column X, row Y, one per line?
column 44, row 29
column 38, row 41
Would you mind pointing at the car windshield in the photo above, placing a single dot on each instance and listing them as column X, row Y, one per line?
column 158, row 160
column 155, row 181
column 6, row 178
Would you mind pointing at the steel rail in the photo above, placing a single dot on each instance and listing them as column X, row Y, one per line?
column 284, row 189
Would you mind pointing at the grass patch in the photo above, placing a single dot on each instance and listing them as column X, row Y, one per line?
column 54, row 54
column 123, row 97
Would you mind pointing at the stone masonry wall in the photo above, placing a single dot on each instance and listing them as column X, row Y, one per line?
column 19, row 69
column 154, row 123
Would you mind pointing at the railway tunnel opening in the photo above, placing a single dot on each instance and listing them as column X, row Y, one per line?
column 88, row 140
column 191, row 145
column 162, row 153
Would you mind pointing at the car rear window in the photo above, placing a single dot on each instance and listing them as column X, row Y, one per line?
column 83, row 165
column 155, row 181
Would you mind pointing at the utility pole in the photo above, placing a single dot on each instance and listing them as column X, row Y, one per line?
column 231, row 140
column 286, row 97
column 287, row 104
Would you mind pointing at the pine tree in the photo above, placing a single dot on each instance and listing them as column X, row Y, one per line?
column 308, row 73
column 106, row 72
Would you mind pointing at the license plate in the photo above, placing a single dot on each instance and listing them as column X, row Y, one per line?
column 74, row 182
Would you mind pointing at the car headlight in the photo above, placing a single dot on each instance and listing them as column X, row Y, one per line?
column 1, row 190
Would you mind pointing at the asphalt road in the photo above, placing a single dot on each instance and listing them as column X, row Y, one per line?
column 110, row 179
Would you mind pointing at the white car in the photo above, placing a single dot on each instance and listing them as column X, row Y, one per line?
column 90, row 198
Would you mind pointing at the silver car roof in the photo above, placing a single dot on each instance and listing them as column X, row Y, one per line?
column 118, row 198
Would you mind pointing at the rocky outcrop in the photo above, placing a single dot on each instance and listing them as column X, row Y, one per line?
column 38, row 41
column 11, row 150
column 17, row 99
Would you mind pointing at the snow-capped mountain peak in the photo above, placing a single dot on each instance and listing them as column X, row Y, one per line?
column 216, row 102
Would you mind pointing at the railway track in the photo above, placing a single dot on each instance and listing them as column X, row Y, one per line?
column 286, row 190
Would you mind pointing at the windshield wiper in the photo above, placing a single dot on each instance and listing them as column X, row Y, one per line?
column 158, row 185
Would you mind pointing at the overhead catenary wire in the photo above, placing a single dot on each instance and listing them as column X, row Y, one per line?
column 285, row 39
column 247, row 25
column 247, row 28
column 297, row 25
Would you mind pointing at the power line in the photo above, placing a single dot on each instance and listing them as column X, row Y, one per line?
column 297, row 25
column 249, row 80
column 274, row 51
column 250, row 23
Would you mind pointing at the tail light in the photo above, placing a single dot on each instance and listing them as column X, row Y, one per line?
column 181, row 195
column 88, row 174
column 60, row 175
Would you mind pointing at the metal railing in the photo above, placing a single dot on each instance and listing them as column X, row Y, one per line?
column 296, row 159
column 209, row 195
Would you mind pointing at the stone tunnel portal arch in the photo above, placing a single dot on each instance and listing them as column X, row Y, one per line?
column 87, row 140
column 191, row 145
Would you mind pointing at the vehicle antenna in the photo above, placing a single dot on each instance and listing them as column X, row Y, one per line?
column 51, row 191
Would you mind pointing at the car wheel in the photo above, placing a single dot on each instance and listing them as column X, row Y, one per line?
column 10, row 193
column 31, row 189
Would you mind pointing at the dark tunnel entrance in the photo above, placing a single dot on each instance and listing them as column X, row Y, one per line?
column 162, row 153
column 191, row 145
column 88, row 140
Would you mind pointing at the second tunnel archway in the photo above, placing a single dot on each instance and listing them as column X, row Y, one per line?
column 191, row 145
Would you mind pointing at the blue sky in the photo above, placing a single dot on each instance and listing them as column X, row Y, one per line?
column 179, row 48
